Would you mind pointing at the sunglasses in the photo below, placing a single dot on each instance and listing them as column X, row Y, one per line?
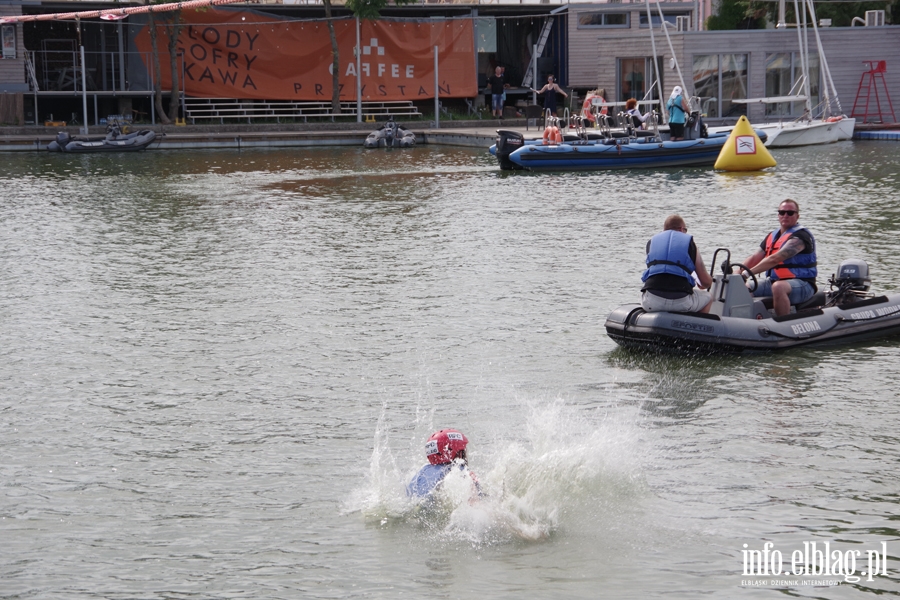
column 789, row 213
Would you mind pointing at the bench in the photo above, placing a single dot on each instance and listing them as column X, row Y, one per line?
column 229, row 108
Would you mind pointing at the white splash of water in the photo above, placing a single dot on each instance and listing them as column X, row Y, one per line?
column 561, row 467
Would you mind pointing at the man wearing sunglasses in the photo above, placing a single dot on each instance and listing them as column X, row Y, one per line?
column 788, row 257
column 672, row 259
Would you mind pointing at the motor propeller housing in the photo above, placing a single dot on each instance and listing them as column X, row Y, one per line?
column 853, row 274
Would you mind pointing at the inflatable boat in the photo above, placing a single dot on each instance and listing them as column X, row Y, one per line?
column 390, row 135
column 622, row 147
column 114, row 141
column 628, row 153
column 739, row 323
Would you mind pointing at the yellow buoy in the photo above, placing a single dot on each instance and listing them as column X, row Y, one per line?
column 744, row 151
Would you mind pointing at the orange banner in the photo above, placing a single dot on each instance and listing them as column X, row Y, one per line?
column 245, row 54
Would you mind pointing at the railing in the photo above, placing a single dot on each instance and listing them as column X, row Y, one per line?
column 471, row 2
column 220, row 109
column 60, row 70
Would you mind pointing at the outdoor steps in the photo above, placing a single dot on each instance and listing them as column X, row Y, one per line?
column 226, row 108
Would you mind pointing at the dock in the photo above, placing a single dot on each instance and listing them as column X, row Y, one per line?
column 479, row 134
column 473, row 134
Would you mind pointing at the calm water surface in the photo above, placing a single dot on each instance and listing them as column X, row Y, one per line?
column 218, row 370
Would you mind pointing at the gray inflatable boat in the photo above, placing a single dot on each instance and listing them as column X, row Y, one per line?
column 114, row 141
column 390, row 135
column 737, row 322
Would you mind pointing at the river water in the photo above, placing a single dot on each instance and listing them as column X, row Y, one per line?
column 218, row 370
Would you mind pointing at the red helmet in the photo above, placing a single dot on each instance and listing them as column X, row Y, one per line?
column 443, row 446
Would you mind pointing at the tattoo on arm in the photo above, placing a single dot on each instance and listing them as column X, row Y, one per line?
column 792, row 247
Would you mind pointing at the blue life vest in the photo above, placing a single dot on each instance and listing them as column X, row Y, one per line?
column 676, row 111
column 799, row 266
column 670, row 253
column 427, row 479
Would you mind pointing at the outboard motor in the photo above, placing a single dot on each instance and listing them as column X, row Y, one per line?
column 855, row 272
column 59, row 144
column 508, row 141
column 692, row 130
column 851, row 283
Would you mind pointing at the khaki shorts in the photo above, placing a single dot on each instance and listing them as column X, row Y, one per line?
column 692, row 303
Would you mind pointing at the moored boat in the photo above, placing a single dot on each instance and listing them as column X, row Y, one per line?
column 800, row 132
column 822, row 124
column 112, row 142
column 739, row 323
column 618, row 153
column 625, row 147
column 390, row 135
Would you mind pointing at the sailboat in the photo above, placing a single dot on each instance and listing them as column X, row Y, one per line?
column 833, row 112
column 830, row 125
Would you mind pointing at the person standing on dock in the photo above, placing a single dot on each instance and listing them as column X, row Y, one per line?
column 549, row 91
column 498, row 87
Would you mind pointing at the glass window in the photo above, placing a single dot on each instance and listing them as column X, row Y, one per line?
column 718, row 79
column 734, row 84
column 783, row 75
column 486, row 34
column 670, row 18
column 637, row 79
column 633, row 76
column 779, row 80
column 706, row 83
column 602, row 19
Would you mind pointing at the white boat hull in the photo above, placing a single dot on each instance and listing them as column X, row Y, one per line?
column 845, row 128
column 795, row 133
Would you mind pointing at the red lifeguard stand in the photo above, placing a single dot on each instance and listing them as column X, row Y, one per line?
column 868, row 91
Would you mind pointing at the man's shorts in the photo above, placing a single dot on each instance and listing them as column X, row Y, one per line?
column 691, row 303
column 497, row 101
column 801, row 291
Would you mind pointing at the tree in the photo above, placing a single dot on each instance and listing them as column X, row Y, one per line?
column 157, row 72
column 369, row 10
column 173, row 31
column 335, row 62
column 737, row 14
column 840, row 13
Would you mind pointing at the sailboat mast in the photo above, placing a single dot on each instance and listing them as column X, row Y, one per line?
column 804, row 57
column 823, row 66
column 665, row 113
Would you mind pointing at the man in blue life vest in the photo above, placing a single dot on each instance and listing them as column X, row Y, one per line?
column 445, row 450
column 788, row 257
column 672, row 260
